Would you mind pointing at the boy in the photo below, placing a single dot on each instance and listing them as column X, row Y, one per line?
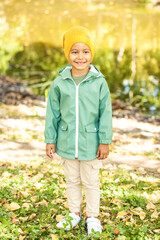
column 79, row 126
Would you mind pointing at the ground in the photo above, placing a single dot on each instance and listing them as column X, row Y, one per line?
column 33, row 189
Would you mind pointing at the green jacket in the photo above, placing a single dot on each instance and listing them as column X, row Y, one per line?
column 78, row 118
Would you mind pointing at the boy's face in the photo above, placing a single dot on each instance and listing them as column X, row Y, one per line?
column 80, row 57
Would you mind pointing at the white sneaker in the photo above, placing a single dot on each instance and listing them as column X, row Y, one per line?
column 95, row 224
column 70, row 222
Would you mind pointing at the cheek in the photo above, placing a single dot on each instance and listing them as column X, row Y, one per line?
column 71, row 58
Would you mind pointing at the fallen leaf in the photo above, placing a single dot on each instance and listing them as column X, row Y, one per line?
column 117, row 202
column 141, row 171
column 25, row 194
column 122, row 214
column 13, row 206
column 38, row 185
column 127, row 186
column 139, row 209
column 44, row 202
column 121, row 238
column 31, row 216
column 133, row 176
column 116, row 231
column 59, row 218
column 54, row 236
column 21, row 237
column 4, row 230
column 150, row 206
column 154, row 215
column 6, row 174
column 34, row 198
column 26, row 206
column 21, row 232
column 142, row 215
column 157, row 231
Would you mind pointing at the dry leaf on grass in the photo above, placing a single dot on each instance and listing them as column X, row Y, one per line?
column 34, row 198
column 44, row 202
column 150, row 206
column 54, row 236
column 142, row 215
column 12, row 206
column 59, row 218
column 122, row 214
column 154, row 215
column 26, row 206
column 116, row 231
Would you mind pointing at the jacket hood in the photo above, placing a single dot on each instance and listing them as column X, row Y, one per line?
column 66, row 72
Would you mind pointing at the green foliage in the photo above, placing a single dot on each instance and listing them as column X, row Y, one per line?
column 113, row 70
column 135, row 201
column 8, row 49
column 39, row 64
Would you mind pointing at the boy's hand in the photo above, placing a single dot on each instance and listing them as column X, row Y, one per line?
column 103, row 151
column 50, row 149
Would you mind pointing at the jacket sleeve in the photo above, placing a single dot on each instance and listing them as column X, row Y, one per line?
column 52, row 115
column 105, row 115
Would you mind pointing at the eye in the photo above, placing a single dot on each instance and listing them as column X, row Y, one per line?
column 86, row 52
column 74, row 52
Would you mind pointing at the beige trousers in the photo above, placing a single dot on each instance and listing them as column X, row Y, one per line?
column 86, row 173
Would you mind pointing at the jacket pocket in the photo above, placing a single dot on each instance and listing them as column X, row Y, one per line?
column 92, row 138
column 62, row 137
column 91, row 128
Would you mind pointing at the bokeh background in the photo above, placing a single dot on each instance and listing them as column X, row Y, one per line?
column 127, row 37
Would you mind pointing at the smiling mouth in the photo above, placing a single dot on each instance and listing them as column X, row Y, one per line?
column 80, row 63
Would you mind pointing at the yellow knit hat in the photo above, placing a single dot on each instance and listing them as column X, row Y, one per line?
column 77, row 34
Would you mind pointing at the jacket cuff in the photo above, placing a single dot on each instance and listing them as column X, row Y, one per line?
column 105, row 141
column 48, row 140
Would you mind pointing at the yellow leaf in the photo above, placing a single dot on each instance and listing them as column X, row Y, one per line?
column 142, row 215
column 117, row 202
column 54, row 236
column 13, row 206
column 133, row 176
column 59, row 218
column 154, row 215
column 121, row 238
column 44, row 202
column 21, row 232
column 21, row 237
column 6, row 174
column 157, row 231
column 25, row 194
column 4, row 230
column 31, row 216
column 127, row 186
column 26, row 205
column 139, row 209
column 34, row 198
column 150, row 205
column 65, row 205
column 122, row 214
column 116, row 231
column 38, row 185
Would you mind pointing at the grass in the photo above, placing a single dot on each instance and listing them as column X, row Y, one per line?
column 33, row 199
column 33, row 192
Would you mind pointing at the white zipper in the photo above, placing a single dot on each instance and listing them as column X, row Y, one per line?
column 77, row 123
column 77, row 117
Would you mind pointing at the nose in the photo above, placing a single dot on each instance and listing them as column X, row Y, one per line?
column 80, row 55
